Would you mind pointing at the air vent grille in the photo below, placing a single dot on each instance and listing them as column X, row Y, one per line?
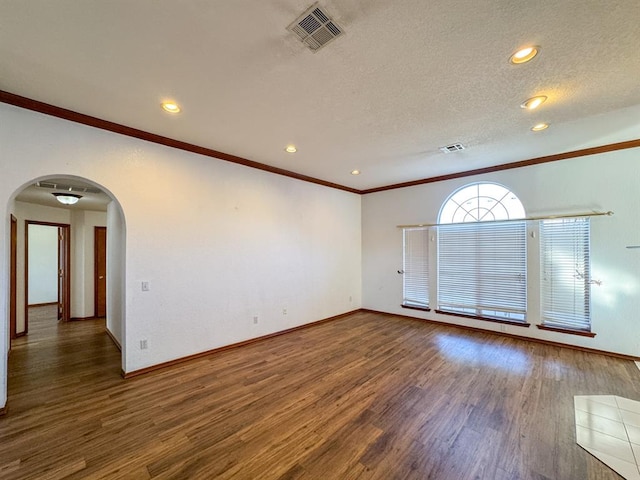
column 455, row 147
column 67, row 187
column 315, row 28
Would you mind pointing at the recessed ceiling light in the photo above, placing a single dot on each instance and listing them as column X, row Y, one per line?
column 533, row 102
column 355, row 172
column 170, row 107
column 291, row 149
column 539, row 127
column 524, row 55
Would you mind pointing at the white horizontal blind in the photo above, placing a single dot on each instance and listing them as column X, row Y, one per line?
column 482, row 269
column 415, row 283
column 566, row 273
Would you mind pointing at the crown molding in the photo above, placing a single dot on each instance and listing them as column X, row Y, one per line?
column 70, row 115
column 508, row 166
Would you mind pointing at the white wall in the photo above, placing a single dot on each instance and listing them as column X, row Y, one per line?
column 83, row 223
column 116, row 267
column 219, row 243
column 43, row 264
column 595, row 183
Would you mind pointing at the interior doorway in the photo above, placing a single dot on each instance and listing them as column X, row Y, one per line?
column 47, row 246
column 33, row 204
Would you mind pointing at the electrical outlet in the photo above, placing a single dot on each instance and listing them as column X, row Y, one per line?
column 145, row 286
column 350, row 298
column 503, row 328
column 255, row 320
column 284, row 311
column 143, row 344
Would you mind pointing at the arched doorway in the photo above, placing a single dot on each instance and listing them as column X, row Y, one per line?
column 34, row 203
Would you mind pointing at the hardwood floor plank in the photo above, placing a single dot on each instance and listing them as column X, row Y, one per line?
column 63, row 471
column 366, row 396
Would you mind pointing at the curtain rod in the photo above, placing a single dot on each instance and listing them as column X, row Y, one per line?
column 526, row 219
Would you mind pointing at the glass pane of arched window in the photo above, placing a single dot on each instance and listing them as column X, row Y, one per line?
column 481, row 202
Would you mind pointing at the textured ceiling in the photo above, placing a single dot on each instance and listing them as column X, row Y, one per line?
column 406, row 78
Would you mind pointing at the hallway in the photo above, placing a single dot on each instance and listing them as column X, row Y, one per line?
column 55, row 354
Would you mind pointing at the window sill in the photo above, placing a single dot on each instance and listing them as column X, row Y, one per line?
column 581, row 333
column 412, row 307
column 486, row 319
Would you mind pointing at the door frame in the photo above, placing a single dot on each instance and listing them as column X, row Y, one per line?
column 13, row 280
column 64, row 257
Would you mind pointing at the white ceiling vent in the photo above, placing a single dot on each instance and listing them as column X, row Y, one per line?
column 315, row 28
column 455, row 147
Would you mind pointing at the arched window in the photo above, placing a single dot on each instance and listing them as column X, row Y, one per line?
column 482, row 254
column 480, row 202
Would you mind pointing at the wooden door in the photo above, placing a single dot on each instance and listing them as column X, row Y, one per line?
column 64, row 279
column 13, row 276
column 100, row 275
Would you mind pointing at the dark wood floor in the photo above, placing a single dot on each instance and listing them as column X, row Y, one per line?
column 363, row 397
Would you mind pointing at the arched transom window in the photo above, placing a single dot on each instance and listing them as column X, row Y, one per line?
column 481, row 202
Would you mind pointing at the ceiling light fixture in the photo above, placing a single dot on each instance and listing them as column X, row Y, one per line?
column 524, row 55
column 67, row 198
column 170, row 107
column 291, row 149
column 355, row 172
column 539, row 127
column 533, row 102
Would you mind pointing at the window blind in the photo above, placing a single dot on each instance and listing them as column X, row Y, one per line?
column 566, row 273
column 415, row 283
column 482, row 269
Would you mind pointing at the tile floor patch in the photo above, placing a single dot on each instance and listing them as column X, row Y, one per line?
column 627, row 470
column 633, row 434
column 608, row 427
column 630, row 418
column 629, row 405
column 599, row 408
column 601, row 424
column 604, row 443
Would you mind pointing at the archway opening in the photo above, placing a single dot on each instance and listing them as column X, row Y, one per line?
column 97, row 212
